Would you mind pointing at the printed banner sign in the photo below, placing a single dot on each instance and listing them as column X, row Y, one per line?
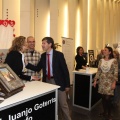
column 41, row 108
column 91, row 56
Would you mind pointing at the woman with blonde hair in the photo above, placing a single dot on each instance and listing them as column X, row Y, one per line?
column 15, row 58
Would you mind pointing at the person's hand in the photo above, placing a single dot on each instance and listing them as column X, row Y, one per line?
column 83, row 67
column 94, row 83
column 113, row 86
column 26, row 62
column 1, row 54
column 35, row 78
column 67, row 89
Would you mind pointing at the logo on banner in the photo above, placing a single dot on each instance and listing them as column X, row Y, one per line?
column 91, row 56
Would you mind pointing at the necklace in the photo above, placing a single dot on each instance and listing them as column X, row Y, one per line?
column 106, row 65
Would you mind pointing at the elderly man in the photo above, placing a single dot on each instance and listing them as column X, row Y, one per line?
column 32, row 56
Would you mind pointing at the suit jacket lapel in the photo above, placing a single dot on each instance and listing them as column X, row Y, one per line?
column 44, row 60
column 54, row 58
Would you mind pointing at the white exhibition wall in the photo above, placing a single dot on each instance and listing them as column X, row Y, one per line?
column 90, row 23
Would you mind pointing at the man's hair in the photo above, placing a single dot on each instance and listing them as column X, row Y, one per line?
column 49, row 40
column 30, row 37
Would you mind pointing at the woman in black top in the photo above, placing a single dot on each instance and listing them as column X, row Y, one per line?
column 81, row 61
column 15, row 58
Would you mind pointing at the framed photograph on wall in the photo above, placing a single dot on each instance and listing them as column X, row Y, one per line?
column 10, row 83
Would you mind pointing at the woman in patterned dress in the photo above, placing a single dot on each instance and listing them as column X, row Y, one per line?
column 107, row 75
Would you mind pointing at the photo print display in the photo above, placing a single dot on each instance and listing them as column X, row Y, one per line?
column 10, row 83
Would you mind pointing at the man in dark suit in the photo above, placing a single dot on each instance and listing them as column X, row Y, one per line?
column 59, row 74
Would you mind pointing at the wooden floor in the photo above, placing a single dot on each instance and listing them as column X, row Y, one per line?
column 80, row 114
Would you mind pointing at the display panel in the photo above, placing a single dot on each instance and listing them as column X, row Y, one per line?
column 9, row 81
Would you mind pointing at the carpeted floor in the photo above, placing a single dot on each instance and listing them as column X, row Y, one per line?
column 80, row 114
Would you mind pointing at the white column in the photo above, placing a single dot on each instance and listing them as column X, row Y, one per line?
column 100, row 25
column 42, row 21
column 72, row 20
column 0, row 9
column 106, row 22
column 54, row 15
column 92, row 18
column 27, row 17
column 110, row 22
column 114, row 21
column 72, row 17
column 62, row 16
column 83, row 7
column 119, row 21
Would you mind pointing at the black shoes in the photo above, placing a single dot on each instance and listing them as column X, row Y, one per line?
column 106, row 116
column 102, row 114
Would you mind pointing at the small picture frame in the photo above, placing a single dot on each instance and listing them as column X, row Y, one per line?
column 3, row 54
column 10, row 83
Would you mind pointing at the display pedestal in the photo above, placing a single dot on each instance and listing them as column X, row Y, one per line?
column 85, row 96
column 37, row 101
